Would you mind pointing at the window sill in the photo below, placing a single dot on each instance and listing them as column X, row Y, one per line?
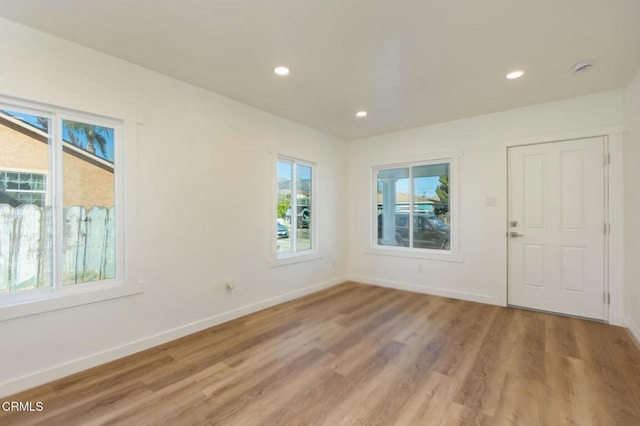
column 416, row 254
column 294, row 258
column 48, row 302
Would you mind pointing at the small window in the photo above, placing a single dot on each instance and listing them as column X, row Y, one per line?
column 19, row 188
column 413, row 207
column 295, row 204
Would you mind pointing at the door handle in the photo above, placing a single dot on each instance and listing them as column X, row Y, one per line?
column 515, row 235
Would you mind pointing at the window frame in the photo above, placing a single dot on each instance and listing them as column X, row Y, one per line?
column 58, row 296
column 296, row 256
column 18, row 170
column 454, row 254
column 58, row 206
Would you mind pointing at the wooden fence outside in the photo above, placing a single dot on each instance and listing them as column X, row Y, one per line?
column 26, row 246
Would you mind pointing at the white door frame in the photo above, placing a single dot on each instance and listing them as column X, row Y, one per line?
column 614, row 209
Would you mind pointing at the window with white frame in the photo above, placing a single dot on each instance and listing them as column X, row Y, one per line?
column 295, row 204
column 23, row 188
column 413, row 209
column 60, row 228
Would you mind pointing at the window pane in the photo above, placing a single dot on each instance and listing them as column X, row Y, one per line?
column 285, row 188
column 431, row 206
column 26, row 221
column 303, row 198
column 88, row 201
column 393, row 207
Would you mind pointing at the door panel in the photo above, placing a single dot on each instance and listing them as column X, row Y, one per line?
column 534, row 194
column 574, row 260
column 573, row 189
column 556, row 242
column 534, row 256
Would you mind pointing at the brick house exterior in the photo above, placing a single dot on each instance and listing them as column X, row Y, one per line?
column 88, row 179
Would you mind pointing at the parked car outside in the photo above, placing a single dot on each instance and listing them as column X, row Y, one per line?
column 428, row 231
column 304, row 217
column 283, row 232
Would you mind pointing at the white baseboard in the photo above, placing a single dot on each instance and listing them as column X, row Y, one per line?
column 434, row 291
column 47, row 375
column 634, row 329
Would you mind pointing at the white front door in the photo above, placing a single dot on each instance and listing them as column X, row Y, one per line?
column 556, row 228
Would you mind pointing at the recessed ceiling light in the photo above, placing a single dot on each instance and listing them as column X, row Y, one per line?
column 361, row 114
column 281, row 71
column 515, row 74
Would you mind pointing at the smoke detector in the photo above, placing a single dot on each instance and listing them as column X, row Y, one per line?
column 583, row 66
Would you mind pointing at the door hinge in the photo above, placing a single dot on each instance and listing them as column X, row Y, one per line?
column 607, row 228
column 606, row 159
column 606, row 298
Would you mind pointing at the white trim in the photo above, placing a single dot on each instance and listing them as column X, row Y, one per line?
column 41, row 302
column 60, row 297
column 420, row 254
column 44, row 109
column 617, row 232
column 455, row 195
column 400, row 158
column 634, row 329
column 561, row 136
column 47, row 375
column 292, row 258
column 434, row 291
column 57, row 191
column 281, row 259
column 606, row 177
column 612, row 134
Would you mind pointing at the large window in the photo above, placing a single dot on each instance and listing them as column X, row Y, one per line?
column 295, row 205
column 413, row 208
column 58, row 199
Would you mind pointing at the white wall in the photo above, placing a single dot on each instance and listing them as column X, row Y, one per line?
column 481, row 276
column 632, row 206
column 200, row 211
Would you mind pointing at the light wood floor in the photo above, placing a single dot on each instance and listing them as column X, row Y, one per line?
column 357, row 354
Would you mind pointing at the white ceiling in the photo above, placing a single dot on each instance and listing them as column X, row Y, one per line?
column 407, row 62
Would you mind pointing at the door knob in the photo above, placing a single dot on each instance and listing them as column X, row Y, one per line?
column 515, row 235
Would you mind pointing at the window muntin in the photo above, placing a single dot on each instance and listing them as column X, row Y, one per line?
column 23, row 188
column 46, row 246
column 412, row 208
column 294, row 207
